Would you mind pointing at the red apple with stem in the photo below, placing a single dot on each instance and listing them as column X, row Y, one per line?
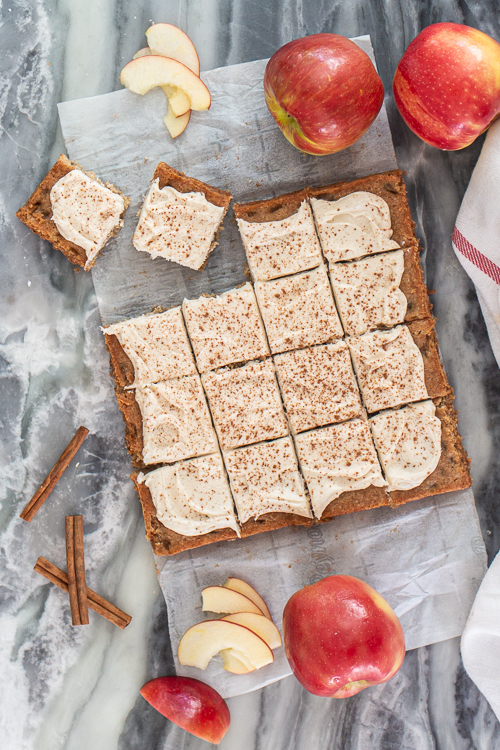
column 447, row 85
column 191, row 704
column 323, row 92
column 341, row 636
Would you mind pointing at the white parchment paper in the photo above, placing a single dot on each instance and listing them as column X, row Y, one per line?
column 426, row 558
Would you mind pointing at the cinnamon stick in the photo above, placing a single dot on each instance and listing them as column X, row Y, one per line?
column 95, row 602
column 54, row 475
column 81, row 586
column 70, row 565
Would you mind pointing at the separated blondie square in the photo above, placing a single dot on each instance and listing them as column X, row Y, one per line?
column 75, row 212
column 149, row 349
column 180, row 218
column 298, row 310
column 226, row 329
column 245, row 403
column 279, row 236
column 266, row 482
column 341, row 469
column 318, row 386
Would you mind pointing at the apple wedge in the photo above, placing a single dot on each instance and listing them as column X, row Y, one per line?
column 170, row 41
column 178, row 101
column 232, row 663
column 259, row 625
column 145, row 73
column 236, row 584
column 176, row 125
column 220, row 599
column 203, row 641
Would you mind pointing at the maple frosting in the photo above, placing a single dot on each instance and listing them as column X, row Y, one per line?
column 192, row 497
column 389, row 367
column 226, row 329
column 336, row 459
column 85, row 211
column 298, row 310
column 367, row 292
column 265, row 478
column 176, row 422
column 245, row 403
column 280, row 248
column 157, row 346
column 356, row 225
column 408, row 443
column 177, row 226
column 318, row 385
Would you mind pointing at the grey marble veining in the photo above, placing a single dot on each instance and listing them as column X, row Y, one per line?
column 78, row 688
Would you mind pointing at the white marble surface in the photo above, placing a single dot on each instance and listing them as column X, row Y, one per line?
column 78, row 688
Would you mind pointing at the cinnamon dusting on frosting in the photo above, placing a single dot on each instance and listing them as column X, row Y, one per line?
column 280, row 248
column 192, row 497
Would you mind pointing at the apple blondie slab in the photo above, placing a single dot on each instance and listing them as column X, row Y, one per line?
column 452, row 470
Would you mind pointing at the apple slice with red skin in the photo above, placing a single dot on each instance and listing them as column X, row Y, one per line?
column 191, row 704
column 236, row 584
column 145, row 73
column 168, row 40
column 221, row 599
column 176, row 125
column 178, row 101
column 262, row 626
column 203, row 641
column 341, row 636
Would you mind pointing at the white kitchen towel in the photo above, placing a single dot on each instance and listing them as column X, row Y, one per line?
column 476, row 236
column 481, row 638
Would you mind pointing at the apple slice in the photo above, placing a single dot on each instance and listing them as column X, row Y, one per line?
column 201, row 642
column 260, row 625
column 170, row 41
column 178, row 100
column 232, row 663
column 220, row 599
column 176, row 125
column 141, row 53
column 145, row 73
column 236, row 584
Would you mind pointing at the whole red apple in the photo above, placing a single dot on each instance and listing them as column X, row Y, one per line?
column 341, row 636
column 323, row 92
column 447, row 85
column 191, row 704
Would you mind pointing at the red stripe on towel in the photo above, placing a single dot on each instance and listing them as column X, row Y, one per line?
column 471, row 253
